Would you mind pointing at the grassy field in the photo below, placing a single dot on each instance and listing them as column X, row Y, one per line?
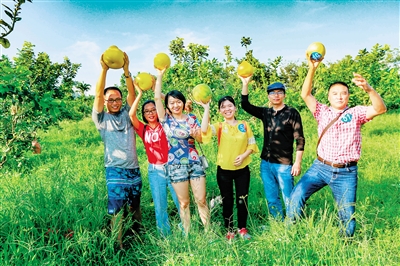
column 53, row 211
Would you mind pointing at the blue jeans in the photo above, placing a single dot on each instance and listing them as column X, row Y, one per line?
column 276, row 178
column 158, row 184
column 343, row 184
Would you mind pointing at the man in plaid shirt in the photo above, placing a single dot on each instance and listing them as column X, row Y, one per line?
column 339, row 148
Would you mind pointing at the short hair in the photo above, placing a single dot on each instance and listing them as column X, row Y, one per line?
column 144, row 104
column 177, row 95
column 112, row 88
column 339, row 83
column 225, row 98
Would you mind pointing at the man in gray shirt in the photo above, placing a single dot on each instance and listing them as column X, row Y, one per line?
column 124, row 182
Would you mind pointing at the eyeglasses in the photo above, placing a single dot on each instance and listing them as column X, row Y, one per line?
column 276, row 93
column 118, row 100
column 149, row 111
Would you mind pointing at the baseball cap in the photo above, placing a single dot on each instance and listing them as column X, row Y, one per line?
column 276, row 86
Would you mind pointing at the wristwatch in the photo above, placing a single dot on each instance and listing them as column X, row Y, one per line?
column 130, row 75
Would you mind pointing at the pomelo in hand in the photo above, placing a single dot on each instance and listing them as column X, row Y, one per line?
column 113, row 57
column 245, row 69
column 316, row 51
column 202, row 93
column 145, row 81
column 161, row 61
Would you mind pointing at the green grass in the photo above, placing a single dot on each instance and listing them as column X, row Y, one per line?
column 64, row 189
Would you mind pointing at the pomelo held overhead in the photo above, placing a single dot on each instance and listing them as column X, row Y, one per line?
column 316, row 51
column 245, row 69
column 202, row 93
column 113, row 57
column 162, row 61
column 145, row 81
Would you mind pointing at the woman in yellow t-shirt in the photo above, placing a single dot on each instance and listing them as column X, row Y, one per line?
column 235, row 143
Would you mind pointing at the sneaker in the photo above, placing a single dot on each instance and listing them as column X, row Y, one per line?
column 243, row 233
column 230, row 236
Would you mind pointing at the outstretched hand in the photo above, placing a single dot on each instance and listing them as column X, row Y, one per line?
column 361, row 82
column 160, row 72
column 247, row 80
column 195, row 132
column 153, row 87
column 126, row 63
column 103, row 64
column 204, row 105
column 139, row 90
column 313, row 64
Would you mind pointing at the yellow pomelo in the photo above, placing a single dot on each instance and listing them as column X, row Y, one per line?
column 202, row 93
column 245, row 69
column 316, row 51
column 162, row 61
column 145, row 81
column 113, row 57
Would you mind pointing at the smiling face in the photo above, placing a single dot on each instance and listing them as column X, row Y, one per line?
column 150, row 113
column 338, row 96
column 113, row 101
column 227, row 109
column 175, row 106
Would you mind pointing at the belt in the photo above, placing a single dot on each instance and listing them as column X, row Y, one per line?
column 336, row 165
column 157, row 166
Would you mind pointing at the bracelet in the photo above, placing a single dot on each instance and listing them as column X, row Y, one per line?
column 130, row 75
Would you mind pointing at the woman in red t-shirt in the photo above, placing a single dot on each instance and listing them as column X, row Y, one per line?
column 156, row 145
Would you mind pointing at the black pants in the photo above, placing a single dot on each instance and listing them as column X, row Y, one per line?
column 225, row 180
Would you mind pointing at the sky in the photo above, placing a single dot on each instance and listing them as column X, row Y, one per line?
column 83, row 30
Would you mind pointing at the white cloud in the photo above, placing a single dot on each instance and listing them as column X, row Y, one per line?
column 83, row 48
column 311, row 7
column 136, row 42
column 190, row 36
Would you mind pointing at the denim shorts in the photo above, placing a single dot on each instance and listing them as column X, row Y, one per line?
column 185, row 172
column 124, row 186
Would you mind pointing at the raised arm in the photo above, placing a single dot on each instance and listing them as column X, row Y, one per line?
column 246, row 105
column 308, row 98
column 206, row 115
column 245, row 85
column 98, row 104
column 158, row 95
column 378, row 106
column 154, row 87
column 134, row 107
column 129, row 84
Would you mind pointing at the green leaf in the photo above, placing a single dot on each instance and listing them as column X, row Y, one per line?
column 9, row 14
column 18, row 19
column 4, row 89
column 2, row 22
column 7, row 7
column 4, row 42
